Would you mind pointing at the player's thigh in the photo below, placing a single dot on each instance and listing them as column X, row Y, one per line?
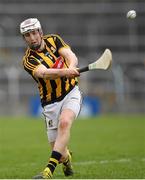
column 66, row 119
column 51, row 114
column 73, row 102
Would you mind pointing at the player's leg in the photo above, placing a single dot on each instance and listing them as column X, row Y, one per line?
column 66, row 119
column 66, row 161
column 72, row 102
column 59, row 139
column 60, row 153
column 51, row 113
column 63, row 134
column 64, row 154
column 70, row 109
column 54, row 159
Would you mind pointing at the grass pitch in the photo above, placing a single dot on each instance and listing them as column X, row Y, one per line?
column 104, row 147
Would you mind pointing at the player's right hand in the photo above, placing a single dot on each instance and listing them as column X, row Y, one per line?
column 71, row 73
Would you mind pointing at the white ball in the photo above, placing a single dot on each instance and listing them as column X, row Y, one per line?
column 131, row 14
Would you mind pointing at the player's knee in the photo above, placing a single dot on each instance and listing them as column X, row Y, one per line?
column 64, row 123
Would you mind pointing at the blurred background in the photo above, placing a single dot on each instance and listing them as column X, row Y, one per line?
column 88, row 26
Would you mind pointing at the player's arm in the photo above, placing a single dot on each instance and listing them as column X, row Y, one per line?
column 42, row 72
column 38, row 70
column 69, row 56
column 66, row 52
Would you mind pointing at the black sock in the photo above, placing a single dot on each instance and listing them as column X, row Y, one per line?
column 54, row 160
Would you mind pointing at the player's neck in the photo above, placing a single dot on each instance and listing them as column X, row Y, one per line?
column 42, row 47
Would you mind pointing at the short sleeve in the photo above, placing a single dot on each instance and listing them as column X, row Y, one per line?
column 60, row 42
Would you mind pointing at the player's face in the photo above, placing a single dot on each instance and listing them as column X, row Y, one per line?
column 33, row 39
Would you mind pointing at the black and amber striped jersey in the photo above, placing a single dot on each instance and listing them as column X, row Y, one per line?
column 50, row 90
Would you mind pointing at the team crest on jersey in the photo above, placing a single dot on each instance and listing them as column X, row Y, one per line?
column 48, row 55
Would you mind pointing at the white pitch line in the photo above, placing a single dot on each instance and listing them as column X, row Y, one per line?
column 85, row 163
column 103, row 162
column 124, row 160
